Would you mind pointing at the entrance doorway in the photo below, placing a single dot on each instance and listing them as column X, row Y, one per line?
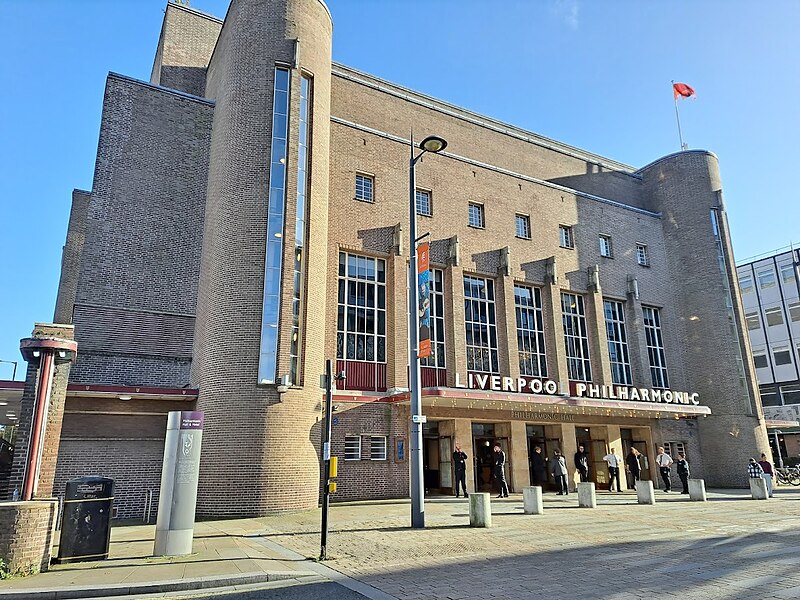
column 628, row 442
column 483, row 442
column 538, row 461
column 436, row 460
column 597, row 449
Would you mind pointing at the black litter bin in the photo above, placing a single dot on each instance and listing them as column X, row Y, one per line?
column 86, row 523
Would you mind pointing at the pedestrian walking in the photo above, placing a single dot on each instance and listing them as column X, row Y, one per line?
column 614, row 463
column 754, row 470
column 769, row 474
column 632, row 466
column 664, row 462
column 499, row 471
column 460, row 466
column 682, row 465
column 582, row 463
column 559, row 469
column 538, row 466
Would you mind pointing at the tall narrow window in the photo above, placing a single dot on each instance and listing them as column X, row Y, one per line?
column 361, row 319
column 530, row 331
column 617, row 342
column 655, row 347
column 436, row 359
column 566, row 239
column 476, row 215
column 303, row 138
column 275, row 225
column 479, row 325
column 605, row 246
column 576, row 338
column 424, row 207
column 523, row 223
column 642, row 256
column 365, row 186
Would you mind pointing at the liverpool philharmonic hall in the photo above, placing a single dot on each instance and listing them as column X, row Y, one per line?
column 249, row 219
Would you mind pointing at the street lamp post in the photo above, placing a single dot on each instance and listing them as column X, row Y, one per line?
column 429, row 144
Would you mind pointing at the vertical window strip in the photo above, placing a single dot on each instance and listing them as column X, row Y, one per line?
column 436, row 359
column 479, row 325
column 530, row 331
column 361, row 318
column 655, row 347
column 267, row 363
column 617, row 342
column 576, row 338
column 303, row 146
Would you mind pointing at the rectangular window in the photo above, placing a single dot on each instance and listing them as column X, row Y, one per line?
column 365, row 187
column 642, row 256
column 770, row 396
column 791, row 393
column 794, row 311
column 566, row 239
column 530, row 331
column 760, row 360
column 766, row 278
column 788, row 273
column 424, row 206
column 781, row 355
column 674, row 448
column 576, row 337
column 352, row 447
column 476, row 215
column 617, row 342
column 479, row 325
column 774, row 316
column 361, row 319
column 605, row 246
column 746, row 284
column 655, row 347
column 273, row 264
column 752, row 320
column 377, row 447
column 524, row 227
column 436, row 359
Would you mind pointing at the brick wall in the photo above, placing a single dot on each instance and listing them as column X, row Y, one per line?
column 27, row 531
column 71, row 257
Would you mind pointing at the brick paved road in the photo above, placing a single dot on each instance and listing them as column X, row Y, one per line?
column 731, row 547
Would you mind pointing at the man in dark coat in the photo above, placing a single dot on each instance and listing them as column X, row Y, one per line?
column 538, row 466
column 460, row 463
column 499, row 471
column 582, row 463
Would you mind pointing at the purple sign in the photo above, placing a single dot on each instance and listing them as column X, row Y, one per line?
column 191, row 419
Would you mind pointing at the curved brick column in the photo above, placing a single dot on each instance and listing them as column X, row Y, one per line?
column 686, row 187
column 258, row 455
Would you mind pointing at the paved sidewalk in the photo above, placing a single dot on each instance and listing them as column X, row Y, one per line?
column 226, row 553
column 731, row 547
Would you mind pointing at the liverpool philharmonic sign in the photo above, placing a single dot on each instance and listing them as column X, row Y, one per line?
column 523, row 385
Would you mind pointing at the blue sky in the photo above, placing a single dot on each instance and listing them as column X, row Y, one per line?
column 594, row 74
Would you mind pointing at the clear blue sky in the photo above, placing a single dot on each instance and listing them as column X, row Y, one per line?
column 594, row 74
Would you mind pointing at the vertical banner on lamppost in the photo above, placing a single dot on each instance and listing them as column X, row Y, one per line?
column 423, row 289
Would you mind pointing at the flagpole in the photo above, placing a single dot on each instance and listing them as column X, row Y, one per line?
column 677, row 116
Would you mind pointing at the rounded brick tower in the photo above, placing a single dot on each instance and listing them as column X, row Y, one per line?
column 686, row 188
column 259, row 335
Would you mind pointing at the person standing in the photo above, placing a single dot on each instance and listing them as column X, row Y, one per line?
column 538, row 467
column 682, row 466
column 614, row 462
column 766, row 466
column 582, row 463
column 632, row 466
column 499, row 471
column 560, row 473
column 664, row 462
column 754, row 470
column 460, row 464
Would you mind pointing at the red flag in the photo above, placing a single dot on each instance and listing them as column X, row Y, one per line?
column 681, row 89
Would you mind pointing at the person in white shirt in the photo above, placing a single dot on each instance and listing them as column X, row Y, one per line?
column 664, row 462
column 614, row 463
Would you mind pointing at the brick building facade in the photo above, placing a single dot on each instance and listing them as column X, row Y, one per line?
column 248, row 219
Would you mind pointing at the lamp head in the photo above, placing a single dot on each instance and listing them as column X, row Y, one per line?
column 433, row 143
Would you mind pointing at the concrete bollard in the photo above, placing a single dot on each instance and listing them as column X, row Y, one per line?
column 758, row 489
column 697, row 490
column 480, row 510
column 586, row 495
column 645, row 493
column 532, row 500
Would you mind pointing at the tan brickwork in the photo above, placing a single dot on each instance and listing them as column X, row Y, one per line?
column 27, row 533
